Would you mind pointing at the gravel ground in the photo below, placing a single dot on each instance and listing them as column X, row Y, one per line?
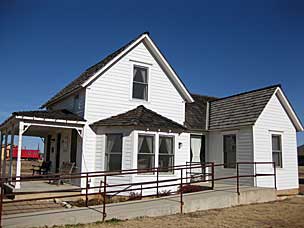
column 283, row 213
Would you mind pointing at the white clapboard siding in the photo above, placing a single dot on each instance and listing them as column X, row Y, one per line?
column 244, row 154
column 275, row 119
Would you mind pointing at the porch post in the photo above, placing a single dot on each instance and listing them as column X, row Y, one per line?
column 11, row 153
column 1, row 145
column 4, row 155
column 18, row 169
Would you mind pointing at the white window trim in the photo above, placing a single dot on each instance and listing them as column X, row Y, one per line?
column 174, row 150
column 236, row 133
column 156, row 152
column 131, row 82
column 271, row 133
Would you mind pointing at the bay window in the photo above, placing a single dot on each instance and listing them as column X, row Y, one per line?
column 113, row 156
column 166, row 154
column 146, row 154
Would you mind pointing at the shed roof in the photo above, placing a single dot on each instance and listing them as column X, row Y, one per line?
column 141, row 118
column 239, row 110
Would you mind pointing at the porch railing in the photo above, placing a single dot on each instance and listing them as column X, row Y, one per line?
column 184, row 175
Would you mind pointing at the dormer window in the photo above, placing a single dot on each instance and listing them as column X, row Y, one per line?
column 76, row 103
column 140, row 83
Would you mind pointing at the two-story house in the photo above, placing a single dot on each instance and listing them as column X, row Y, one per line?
column 132, row 111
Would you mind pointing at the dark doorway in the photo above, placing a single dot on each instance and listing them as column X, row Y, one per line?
column 73, row 153
column 58, row 152
column 48, row 148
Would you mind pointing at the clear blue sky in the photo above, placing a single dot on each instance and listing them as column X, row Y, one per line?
column 217, row 47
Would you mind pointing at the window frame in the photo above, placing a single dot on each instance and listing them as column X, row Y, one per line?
column 147, row 68
column 223, row 148
column 281, row 148
column 152, row 154
column 173, row 155
column 106, row 160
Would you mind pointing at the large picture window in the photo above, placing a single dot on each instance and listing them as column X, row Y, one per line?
column 113, row 156
column 229, row 142
column 166, row 154
column 277, row 150
column 146, row 156
column 140, row 83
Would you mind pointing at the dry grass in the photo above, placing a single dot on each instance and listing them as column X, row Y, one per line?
column 285, row 213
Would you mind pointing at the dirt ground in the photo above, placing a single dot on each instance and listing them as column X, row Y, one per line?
column 284, row 213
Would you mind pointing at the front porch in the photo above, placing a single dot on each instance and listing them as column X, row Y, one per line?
column 61, row 132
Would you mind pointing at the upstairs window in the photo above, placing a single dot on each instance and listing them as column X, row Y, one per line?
column 140, row 83
column 229, row 151
column 76, row 103
column 277, row 150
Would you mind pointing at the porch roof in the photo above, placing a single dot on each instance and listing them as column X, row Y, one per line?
column 61, row 116
column 141, row 118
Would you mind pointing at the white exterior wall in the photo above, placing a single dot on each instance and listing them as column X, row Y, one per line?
column 111, row 94
column 275, row 119
column 244, row 153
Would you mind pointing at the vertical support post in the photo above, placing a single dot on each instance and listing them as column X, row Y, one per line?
column 1, row 201
column 104, row 198
column 181, row 192
column 18, row 169
column 157, row 179
column 255, row 174
column 212, row 175
column 87, row 190
column 237, row 179
column 1, row 152
column 4, row 155
column 11, row 154
column 275, row 175
column 141, row 191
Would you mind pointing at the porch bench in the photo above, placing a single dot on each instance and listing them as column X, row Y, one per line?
column 43, row 169
column 66, row 169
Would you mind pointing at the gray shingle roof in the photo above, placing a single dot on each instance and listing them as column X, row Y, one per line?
column 239, row 110
column 196, row 112
column 141, row 118
column 76, row 84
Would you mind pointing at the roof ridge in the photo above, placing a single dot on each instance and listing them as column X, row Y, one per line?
column 251, row 91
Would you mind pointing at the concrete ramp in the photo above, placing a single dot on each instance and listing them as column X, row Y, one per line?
column 223, row 196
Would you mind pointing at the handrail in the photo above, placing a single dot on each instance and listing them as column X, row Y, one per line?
column 156, row 183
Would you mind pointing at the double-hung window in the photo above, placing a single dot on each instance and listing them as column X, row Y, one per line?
column 229, row 142
column 140, row 83
column 277, row 150
column 166, row 154
column 113, row 156
column 146, row 155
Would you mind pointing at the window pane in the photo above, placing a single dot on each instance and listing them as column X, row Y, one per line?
column 115, row 162
column 140, row 91
column 114, row 143
column 277, row 158
column 145, row 161
column 276, row 142
column 140, row 75
column 164, row 162
column 229, row 151
column 166, row 145
column 145, row 144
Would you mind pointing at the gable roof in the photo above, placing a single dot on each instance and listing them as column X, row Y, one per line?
column 239, row 110
column 94, row 71
column 141, row 118
column 244, row 109
column 196, row 112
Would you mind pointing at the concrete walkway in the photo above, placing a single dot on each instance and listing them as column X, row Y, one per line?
column 222, row 196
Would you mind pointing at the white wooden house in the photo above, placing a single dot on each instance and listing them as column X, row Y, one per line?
column 131, row 110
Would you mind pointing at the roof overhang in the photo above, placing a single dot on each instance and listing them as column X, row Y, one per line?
column 289, row 109
column 160, row 57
